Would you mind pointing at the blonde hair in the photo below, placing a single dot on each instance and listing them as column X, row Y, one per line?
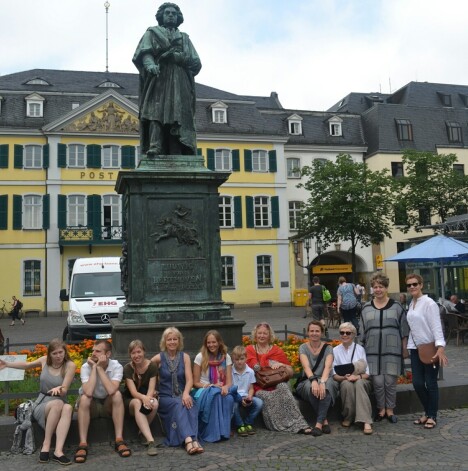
column 175, row 331
column 270, row 330
column 238, row 351
column 222, row 349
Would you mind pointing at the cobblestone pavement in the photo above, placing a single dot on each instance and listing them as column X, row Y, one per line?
column 403, row 446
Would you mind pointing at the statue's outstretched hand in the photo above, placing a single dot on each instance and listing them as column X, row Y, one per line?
column 152, row 69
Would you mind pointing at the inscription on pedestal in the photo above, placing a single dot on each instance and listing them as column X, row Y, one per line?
column 177, row 275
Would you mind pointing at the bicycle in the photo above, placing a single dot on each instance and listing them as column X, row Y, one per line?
column 4, row 310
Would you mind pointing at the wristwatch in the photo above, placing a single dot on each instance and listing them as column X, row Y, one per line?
column 313, row 378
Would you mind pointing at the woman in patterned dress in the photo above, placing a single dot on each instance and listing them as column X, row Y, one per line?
column 280, row 410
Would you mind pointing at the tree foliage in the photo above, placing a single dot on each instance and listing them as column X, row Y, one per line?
column 347, row 201
column 431, row 188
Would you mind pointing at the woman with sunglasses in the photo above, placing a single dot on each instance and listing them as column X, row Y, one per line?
column 354, row 388
column 385, row 335
column 280, row 410
column 425, row 327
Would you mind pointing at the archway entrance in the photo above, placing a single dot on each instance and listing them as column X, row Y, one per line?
column 329, row 266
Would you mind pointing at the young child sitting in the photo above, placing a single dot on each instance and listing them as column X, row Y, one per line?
column 244, row 377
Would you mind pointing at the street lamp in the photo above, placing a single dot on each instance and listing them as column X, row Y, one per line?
column 297, row 245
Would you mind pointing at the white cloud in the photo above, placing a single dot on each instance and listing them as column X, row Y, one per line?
column 312, row 52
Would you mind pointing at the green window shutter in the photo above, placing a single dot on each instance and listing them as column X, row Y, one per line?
column 4, row 149
column 62, row 211
column 235, row 160
column 250, row 211
column 237, row 211
column 45, row 156
column 199, row 151
column 62, row 155
column 272, row 159
column 17, row 212
column 275, row 219
column 210, row 159
column 128, row 157
column 3, row 212
column 18, row 156
column 46, row 212
column 93, row 156
column 248, row 160
column 94, row 215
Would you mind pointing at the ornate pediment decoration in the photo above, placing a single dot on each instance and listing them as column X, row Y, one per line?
column 108, row 118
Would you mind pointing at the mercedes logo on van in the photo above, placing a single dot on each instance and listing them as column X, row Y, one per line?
column 105, row 318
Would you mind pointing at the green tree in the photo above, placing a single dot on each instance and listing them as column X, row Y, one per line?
column 431, row 188
column 347, row 201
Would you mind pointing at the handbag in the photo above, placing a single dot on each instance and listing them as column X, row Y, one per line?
column 426, row 351
column 347, row 368
column 326, row 296
column 267, row 377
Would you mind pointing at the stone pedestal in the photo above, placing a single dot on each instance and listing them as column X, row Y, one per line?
column 171, row 263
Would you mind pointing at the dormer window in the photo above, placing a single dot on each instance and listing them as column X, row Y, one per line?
column 219, row 112
column 445, row 99
column 334, row 126
column 295, row 125
column 109, row 84
column 37, row 81
column 34, row 106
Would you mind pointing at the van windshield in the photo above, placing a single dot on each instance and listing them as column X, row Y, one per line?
column 96, row 285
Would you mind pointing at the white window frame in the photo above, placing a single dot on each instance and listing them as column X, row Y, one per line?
column 76, row 159
column 32, row 212
column 293, row 167
column 219, row 112
column 262, row 211
column 114, row 230
column 335, row 126
column 295, row 125
column 111, row 157
column 32, row 156
column 264, row 267
column 227, row 270
column 294, row 208
column 34, row 272
column 77, row 211
column 226, row 212
column 260, row 161
column 223, row 160
column 34, row 106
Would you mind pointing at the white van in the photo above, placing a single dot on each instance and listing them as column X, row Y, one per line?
column 95, row 297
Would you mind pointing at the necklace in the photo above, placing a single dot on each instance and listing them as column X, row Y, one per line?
column 58, row 367
column 263, row 350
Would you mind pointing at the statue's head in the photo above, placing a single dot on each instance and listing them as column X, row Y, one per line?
column 163, row 15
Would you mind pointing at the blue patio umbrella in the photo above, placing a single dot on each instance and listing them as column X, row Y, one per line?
column 440, row 248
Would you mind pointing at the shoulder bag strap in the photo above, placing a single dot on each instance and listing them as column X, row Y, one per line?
column 319, row 358
column 354, row 349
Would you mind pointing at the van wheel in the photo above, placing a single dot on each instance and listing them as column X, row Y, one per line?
column 66, row 335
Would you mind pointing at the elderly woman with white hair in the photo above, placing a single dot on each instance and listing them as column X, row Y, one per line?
column 350, row 370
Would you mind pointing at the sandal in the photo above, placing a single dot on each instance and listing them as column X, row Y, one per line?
column 421, row 421
column 368, row 429
column 190, row 448
column 81, row 453
column 326, row 429
column 430, row 424
column 316, row 432
column 122, row 449
column 198, row 447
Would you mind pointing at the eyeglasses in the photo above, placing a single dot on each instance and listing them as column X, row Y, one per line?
column 412, row 285
column 346, row 333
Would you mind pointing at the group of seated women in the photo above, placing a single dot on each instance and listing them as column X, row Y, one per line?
column 199, row 404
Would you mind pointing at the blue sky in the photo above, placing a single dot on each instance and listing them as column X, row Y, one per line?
column 311, row 52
